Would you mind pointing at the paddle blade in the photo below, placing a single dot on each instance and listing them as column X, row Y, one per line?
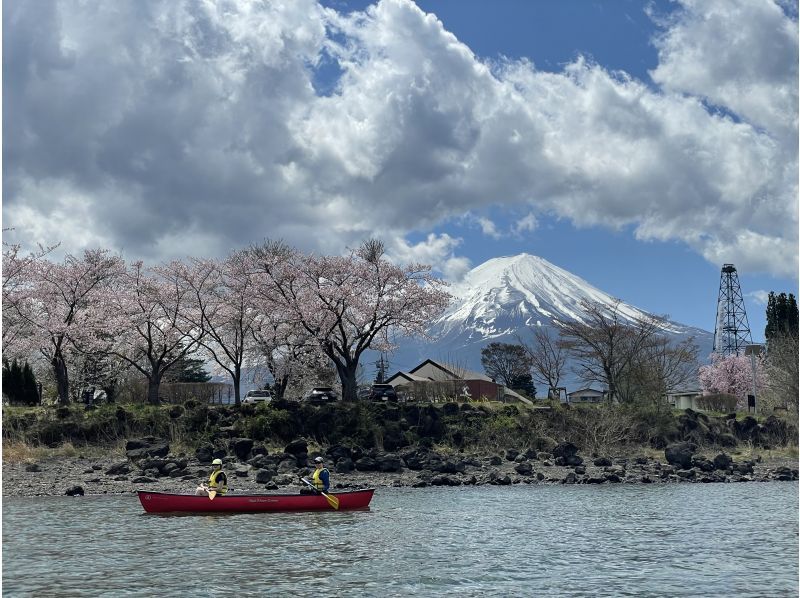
column 211, row 494
column 332, row 501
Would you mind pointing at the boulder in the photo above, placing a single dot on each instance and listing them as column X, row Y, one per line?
column 204, row 454
column 241, row 447
column 344, row 465
column 389, row 462
column 366, row 464
column 296, row 447
column 511, row 454
column 565, row 449
column 702, row 463
column 74, row 491
column 264, row 475
column 524, row 468
column 35, row 467
column 120, row 467
column 339, row 451
column 680, row 453
column 602, row 462
column 144, row 447
column 722, row 461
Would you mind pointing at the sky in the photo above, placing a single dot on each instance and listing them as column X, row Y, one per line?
column 639, row 145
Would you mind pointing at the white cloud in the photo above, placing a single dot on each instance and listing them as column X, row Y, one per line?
column 200, row 122
column 760, row 297
column 527, row 223
column 436, row 250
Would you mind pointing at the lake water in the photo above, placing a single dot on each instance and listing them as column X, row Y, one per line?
column 621, row 540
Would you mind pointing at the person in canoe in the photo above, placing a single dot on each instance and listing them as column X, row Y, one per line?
column 217, row 482
column 321, row 477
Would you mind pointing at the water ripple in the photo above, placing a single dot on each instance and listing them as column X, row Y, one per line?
column 678, row 540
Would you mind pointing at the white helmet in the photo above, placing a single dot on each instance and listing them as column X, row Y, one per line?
column 217, row 462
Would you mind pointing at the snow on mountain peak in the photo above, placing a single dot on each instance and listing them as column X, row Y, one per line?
column 524, row 285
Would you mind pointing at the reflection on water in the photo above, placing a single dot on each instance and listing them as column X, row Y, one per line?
column 676, row 540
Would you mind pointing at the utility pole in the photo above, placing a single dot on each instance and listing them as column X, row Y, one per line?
column 382, row 364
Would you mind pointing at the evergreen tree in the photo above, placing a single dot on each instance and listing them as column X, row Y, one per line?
column 19, row 383
column 782, row 316
column 187, row 369
column 523, row 383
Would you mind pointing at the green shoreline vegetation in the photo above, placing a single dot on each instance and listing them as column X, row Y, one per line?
column 32, row 433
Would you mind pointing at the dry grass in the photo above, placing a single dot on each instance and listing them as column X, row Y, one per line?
column 22, row 452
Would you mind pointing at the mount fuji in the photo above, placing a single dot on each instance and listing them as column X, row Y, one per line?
column 507, row 297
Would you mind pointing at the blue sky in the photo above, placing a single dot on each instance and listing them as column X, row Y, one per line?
column 661, row 277
column 639, row 145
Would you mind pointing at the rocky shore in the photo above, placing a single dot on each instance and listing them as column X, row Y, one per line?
column 149, row 465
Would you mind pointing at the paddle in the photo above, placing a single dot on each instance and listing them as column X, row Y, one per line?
column 332, row 500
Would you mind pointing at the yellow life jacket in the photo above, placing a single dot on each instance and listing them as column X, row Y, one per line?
column 318, row 482
column 212, row 482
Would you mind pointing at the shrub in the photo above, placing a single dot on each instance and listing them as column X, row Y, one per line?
column 719, row 402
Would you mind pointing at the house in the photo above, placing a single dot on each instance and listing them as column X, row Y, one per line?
column 586, row 395
column 685, row 399
column 433, row 379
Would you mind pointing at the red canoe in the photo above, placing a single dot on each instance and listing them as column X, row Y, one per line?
column 162, row 502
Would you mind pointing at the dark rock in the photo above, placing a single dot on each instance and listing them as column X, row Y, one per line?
column 594, row 480
column 687, row 474
column 33, row 467
column 680, row 453
column 296, row 447
column 443, row 480
column 613, row 478
column 726, row 440
column 702, row 463
column 495, row 460
column 158, row 448
column 641, row 460
column 344, row 465
column 722, row 461
column 143, row 480
column 74, row 491
column 366, row 464
column 389, row 462
column 340, row 451
column 204, row 454
column 602, row 462
column 565, row 449
column 119, row 468
column 530, row 454
column 544, row 456
column 259, row 450
column 264, row 475
column 524, row 468
column 580, row 469
column 570, row 478
column 242, row 448
column 511, row 454
column 744, row 467
column 241, row 472
column 450, row 409
column 539, row 476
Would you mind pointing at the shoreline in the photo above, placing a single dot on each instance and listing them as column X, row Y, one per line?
column 58, row 476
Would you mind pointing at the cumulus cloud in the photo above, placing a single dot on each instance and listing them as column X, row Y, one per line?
column 436, row 250
column 187, row 128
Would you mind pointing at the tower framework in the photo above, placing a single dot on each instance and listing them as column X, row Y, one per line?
column 732, row 331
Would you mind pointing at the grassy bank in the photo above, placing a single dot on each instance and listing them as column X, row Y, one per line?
column 29, row 432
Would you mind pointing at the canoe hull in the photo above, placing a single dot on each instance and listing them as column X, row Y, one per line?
column 163, row 502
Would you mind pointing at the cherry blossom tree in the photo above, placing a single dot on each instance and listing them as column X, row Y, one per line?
column 152, row 321
column 59, row 306
column 226, row 311
column 348, row 304
column 733, row 374
column 17, row 280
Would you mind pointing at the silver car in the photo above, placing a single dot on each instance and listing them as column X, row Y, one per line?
column 257, row 396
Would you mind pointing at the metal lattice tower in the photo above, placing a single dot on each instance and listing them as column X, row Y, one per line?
column 732, row 331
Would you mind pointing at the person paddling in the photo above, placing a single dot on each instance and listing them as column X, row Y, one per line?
column 321, row 477
column 217, row 482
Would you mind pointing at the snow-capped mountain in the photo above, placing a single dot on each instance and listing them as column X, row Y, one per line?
column 508, row 296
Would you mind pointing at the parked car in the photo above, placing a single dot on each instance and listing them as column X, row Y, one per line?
column 257, row 396
column 383, row 392
column 321, row 394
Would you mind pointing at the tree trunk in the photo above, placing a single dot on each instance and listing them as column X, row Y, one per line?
column 237, row 384
column 62, row 378
column 153, row 387
column 347, row 375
